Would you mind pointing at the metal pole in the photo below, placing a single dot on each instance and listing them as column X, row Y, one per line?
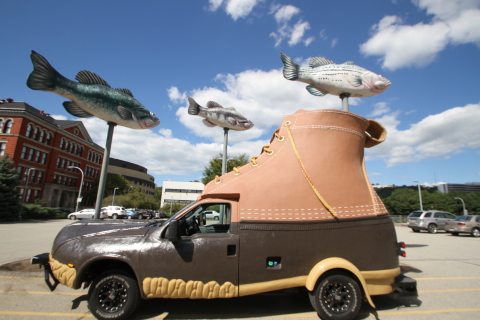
column 225, row 143
column 344, row 97
column 419, row 194
column 24, row 193
column 103, row 174
column 80, row 190
column 113, row 199
column 463, row 203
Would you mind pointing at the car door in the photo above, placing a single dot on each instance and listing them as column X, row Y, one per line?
column 202, row 263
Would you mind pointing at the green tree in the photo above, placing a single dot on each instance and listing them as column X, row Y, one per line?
column 113, row 181
column 9, row 204
column 214, row 167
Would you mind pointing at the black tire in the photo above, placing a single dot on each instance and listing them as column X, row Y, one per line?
column 454, row 233
column 93, row 217
column 140, row 217
column 129, row 217
column 73, row 217
column 113, row 295
column 114, row 216
column 415, row 230
column 432, row 228
column 216, row 218
column 337, row 296
column 475, row 232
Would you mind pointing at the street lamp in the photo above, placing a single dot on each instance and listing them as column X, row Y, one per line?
column 419, row 194
column 25, row 192
column 465, row 212
column 114, row 195
column 79, row 199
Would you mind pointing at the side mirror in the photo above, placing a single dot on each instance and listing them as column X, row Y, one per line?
column 173, row 231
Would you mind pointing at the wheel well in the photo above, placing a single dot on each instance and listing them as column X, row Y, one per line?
column 98, row 267
column 344, row 272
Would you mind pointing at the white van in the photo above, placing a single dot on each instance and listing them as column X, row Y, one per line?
column 115, row 212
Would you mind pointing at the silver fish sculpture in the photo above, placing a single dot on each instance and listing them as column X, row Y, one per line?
column 91, row 96
column 326, row 77
column 216, row 115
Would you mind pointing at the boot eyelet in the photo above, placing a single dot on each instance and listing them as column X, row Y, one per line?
column 254, row 164
column 287, row 123
column 281, row 138
column 237, row 173
column 269, row 153
column 218, row 181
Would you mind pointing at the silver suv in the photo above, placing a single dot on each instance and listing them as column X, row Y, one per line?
column 115, row 212
column 431, row 220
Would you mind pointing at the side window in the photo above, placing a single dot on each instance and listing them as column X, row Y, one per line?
column 438, row 214
column 206, row 218
column 448, row 215
column 478, row 219
column 428, row 215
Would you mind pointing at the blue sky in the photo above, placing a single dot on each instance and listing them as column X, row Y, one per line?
column 229, row 52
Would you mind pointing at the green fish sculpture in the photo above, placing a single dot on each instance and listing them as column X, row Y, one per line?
column 91, row 96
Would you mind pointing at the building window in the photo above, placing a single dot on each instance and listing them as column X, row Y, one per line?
column 29, row 131
column 42, row 136
column 8, row 126
column 60, row 179
column 49, row 138
column 54, row 178
column 37, row 156
column 40, row 176
column 61, row 144
column 44, row 158
column 67, row 144
column 29, row 193
column 63, row 164
column 33, row 176
column 3, row 145
column 35, row 134
column 35, row 195
column 80, row 152
column 30, row 155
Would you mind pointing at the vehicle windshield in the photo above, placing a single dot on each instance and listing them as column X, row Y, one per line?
column 172, row 217
column 415, row 214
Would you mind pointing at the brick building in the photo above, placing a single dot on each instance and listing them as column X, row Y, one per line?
column 42, row 149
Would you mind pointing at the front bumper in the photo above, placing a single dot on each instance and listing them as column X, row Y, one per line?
column 43, row 260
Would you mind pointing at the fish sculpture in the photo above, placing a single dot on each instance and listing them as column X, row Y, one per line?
column 216, row 115
column 326, row 77
column 91, row 96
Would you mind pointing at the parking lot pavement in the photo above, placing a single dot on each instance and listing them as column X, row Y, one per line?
column 447, row 270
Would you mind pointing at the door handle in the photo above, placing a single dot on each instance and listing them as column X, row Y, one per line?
column 231, row 250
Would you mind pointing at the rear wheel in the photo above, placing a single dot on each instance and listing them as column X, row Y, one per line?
column 476, row 232
column 129, row 217
column 337, row 296
column 114, row 216
column 73, row 217
column 113, row 295
column 432, row 228
column 140, row 216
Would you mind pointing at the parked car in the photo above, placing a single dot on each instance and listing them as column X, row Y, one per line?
column 211, row 214
column 85, row 214
column 431, row 220
column 115, row 212
column 159, row 214
column 131, row 214
column 464, row 224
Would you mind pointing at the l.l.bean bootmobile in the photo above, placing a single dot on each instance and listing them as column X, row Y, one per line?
column 300, row 214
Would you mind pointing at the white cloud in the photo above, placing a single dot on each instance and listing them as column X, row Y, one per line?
column 175, row 95
column 294, row 34
column 285, row 13
column 379, row 109
column 235, row 8
column 400, row 45
column 58, row 117
column 439, row 135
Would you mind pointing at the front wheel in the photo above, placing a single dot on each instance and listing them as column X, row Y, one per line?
column 476, row 232
column 114, row 216
column 432, row 228
column 337, row 296
column 73, row 218
column 140, row 217
column 113, row 295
